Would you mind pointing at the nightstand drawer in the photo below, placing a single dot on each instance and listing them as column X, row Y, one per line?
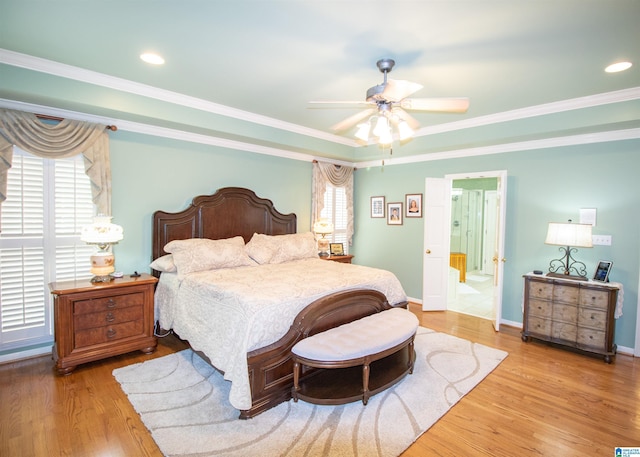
column 594, row 298
column 107, row 303
column 109, row 333
column 116, row 316
column 539, row 308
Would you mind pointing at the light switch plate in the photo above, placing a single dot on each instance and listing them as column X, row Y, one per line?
column 601, row 240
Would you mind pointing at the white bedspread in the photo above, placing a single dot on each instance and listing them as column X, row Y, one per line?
column 229, row 312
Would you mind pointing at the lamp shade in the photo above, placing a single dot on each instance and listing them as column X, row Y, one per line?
column 102, row 231
column 323, row 227
column 568, row 234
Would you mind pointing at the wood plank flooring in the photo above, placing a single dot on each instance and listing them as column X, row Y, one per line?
column 541, row 401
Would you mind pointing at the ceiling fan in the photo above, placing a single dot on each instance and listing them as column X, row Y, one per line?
column 388, row 103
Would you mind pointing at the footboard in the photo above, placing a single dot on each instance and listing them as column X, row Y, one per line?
column 271, row 367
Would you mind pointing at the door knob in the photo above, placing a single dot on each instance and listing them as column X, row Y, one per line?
column 428, row 251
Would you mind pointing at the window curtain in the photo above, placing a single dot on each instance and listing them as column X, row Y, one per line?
column 56, row 141
column 338, row 176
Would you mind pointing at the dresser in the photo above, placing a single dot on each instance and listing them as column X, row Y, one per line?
column 576, row 314
column 94, row 321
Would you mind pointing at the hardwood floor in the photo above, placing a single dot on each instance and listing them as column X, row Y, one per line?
column 541, row 401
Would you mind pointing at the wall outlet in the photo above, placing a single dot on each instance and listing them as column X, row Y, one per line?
column 602, row 240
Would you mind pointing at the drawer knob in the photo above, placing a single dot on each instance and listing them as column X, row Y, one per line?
column 111, row 303
column 110, row 317
column 111, row 333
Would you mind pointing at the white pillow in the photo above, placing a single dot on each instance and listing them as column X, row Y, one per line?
column 281, row 248
column 201, row 254
column 164, row 264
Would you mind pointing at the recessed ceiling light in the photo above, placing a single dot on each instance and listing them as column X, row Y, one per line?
column 618, row 66
column 152, row 58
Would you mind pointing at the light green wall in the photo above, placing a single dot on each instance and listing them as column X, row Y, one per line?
column 543, row 186
column 546, row 185
column 150, row 174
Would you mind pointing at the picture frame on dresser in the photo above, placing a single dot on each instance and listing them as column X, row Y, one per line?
column 336, row 249
column 602, row 271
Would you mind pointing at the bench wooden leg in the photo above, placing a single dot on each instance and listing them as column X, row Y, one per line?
column 412, row 357
column 296, row 379
column 365, row 383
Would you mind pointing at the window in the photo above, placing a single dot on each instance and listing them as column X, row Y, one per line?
column 47, row 203
column 335, row 210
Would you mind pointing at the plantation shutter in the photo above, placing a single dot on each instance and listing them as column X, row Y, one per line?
column 47, row 203
column 335, row 210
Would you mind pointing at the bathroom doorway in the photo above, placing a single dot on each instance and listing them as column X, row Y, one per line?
column 473, row 246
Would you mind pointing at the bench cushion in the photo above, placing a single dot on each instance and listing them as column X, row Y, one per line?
column 368, row 335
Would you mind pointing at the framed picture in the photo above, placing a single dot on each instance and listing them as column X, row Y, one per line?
column 602, row 271
column 377, row 207
column 394, row 213
column 413, row 203
column 336, row 249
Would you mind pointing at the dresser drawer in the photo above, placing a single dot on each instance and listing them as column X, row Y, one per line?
column 566, row 294
column 539, row 308
column 565, row 313
column 115, row 316
column 591, row 339
column 592, row 318
column 539, row 326
column 564, row 331
column 108, row 303
column 594, row 298
column 109, row 333
column 542, row 290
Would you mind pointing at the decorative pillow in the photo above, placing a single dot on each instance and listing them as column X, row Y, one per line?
column 164, row 264
column 200, row 254
column 281, row 248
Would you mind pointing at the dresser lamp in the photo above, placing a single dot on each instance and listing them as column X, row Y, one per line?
column 569, row 236
column 103, row 234
column 323, row 228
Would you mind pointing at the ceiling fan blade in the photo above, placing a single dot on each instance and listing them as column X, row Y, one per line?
column 395, row 90
column 404, row 116
column 352, row 103
column 449, row 105
column 353, row 120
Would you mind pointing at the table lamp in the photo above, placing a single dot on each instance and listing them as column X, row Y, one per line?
column 103, row 234
column 323, row 227
column 568, row 235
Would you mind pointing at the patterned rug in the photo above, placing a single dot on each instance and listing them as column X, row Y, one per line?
column 183, row 402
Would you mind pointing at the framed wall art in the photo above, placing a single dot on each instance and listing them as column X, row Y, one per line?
column 413, row 203
column 336, row 249
column 394, row 213
column 377, row 207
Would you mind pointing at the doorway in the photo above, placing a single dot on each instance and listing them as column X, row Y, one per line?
column 472, row 246
column 437, row 258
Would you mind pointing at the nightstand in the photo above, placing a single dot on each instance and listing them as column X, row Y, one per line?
column 93, row 321
column 339, row 258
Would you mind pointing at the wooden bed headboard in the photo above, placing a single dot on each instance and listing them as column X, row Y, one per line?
column 230, row 212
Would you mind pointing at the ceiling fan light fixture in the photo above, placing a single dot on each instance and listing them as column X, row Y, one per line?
column 404, row 131
column 382, row 126
column 363, row 131
column 385, row 138
column 152, row 58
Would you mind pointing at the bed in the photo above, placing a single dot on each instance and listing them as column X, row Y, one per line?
column 247, row 288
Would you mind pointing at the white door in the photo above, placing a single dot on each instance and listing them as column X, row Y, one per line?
column 437, row 209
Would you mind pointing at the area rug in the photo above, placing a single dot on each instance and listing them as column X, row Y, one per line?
column 184, row 404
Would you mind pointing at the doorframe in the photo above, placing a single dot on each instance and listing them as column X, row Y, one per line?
column 501, row 176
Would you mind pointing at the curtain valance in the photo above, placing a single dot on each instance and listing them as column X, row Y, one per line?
column 66, row 138
column 336, row 175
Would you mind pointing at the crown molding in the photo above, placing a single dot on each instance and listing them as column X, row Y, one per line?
column 573, row 140
column 38, row 64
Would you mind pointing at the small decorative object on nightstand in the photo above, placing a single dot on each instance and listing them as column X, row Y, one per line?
column 339, row 258
column 93, row 321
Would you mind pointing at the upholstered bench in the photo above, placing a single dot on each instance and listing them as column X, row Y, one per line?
column 382, row 344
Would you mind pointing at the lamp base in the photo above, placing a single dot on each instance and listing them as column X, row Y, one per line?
column 101, row 278
column 563, row 276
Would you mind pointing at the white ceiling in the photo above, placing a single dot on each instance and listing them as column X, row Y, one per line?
column 543, row 59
